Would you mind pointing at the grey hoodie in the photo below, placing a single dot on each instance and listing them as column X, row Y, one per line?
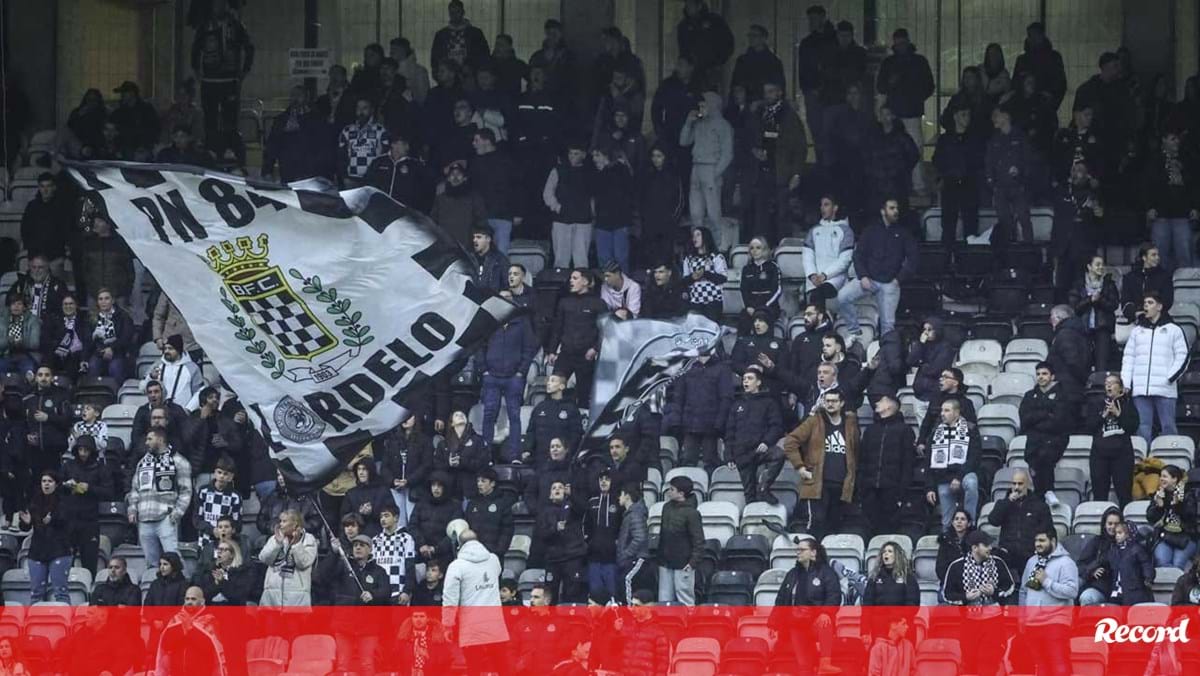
column 473, row 581
column 711, row 137
column 1060, row 588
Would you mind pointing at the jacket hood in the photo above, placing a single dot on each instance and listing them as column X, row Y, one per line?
column 370, row 465
column 839, row 221
column 938, row 325
column 88, row 442
column 1164, row 318
column 474, row 551
column 714, row 102
column 1059, row 550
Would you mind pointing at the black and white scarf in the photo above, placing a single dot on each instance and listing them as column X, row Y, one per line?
column 950, row 445
column 16, row 329
column 977, row 574
column 37, row 297
column 106, row 327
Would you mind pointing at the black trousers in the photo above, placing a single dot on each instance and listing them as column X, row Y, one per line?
column 771, row 461
column 84, row 537
column 823, row 515
column 881, row 506
column 695, row 444
column 568, row 580
column 960, row 197
column 1042, row 458
column 641, row 574
column 1115, row 470
column 584, row 370
column 822, row 294
column 221, row 102
column 1102, row 342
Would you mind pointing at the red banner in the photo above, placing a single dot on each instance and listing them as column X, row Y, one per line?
column 583, row 640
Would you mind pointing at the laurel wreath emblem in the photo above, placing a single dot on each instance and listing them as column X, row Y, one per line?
column 267, row 357
column 356, row 333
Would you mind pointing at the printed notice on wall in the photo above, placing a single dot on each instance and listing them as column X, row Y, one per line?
column 304, row 62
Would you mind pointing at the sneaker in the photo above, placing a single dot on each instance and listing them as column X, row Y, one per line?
column 1051, row 499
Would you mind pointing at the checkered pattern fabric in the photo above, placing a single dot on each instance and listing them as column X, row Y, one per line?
column 283, row 317
column 704, row 291
column 360, row 145
column 213, row 504
column 392, row 552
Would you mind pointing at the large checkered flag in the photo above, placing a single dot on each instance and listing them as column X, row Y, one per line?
column 328, row 313
column 638, row 361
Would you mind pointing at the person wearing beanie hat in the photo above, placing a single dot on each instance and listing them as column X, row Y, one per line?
column 886, row 458
column 179, row 376
column 681, row 544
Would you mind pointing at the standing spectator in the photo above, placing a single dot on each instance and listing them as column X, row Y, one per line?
column 812, row 56
column 568, row 195
column 553, row 418
column 1112, row 423
column 489, row 513
column 906, row 82
column 398, row 115
column 1070, row 354
column 954, row 450
column 459, row 41
column 1115, row 108
column 86, row 483
column 892, row 652
column 107, row 261
column 414, row 74
column 758, row 65
column 459, row 208
column 167, row 321
column 996, row 78
column 471, row 605
column 681, row 544
column 1132, row 569
column 556, row 61
column 827, row 253
column 289, row 555
column 698, row 405
column 20, row 337
column 50, row 547
column 47, row 224
column 845, row 66
column 402, row 176
column 222, row 55
column 498, row 180
column 622, row 467
column 1171, row 203
column 646, row 650
column 296, row 140
column 932, row 353
column 705, row 37
column 801, row 612
column 890, row 156
column 886, row 460
column 751, row 434
column 217, row 499
column 776, row 129
column 660, row 204
column 396, row 552
column 86, row 123
column 430, row 518
column 1033, row 114
column 1009, row 160
column 357, row 581
column 1046, row 412
column 360, row 143
column 1046, row 64
column 1145, row 276
column 885, row 256
column 368, row 496
column 1155, row 357
column 622, row 295
column 136, row 122
column 851, row 129
column 366, row 79
column 760, row 288
column 601, row 525
column 1079, row 142
column 981, row 582
column 633, row 543
column 490, row 265
column 673, row 100
column 958, row 159
column 613, row 197
column 505, row 363
column 1020, row 516
column 510, row 71
column 710, row 137
column 406, row 454
column 1051, row 580
column 575, row 340
column 893, row 582
column 159, row 496
column 625, row 90
column 824, row 450
column 970, row 95
column 47, row 422
column 1077, row 226
column 336, row 106
column 1172, row 512
column 704, row 273
column 560, row 532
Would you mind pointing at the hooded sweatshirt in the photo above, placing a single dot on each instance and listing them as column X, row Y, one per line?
column 711, row 136
column 181, row 381
column 829, row 249
column 473, row 581
column 1059, row 588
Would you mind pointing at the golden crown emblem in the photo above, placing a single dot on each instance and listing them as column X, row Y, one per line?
column 237, row 258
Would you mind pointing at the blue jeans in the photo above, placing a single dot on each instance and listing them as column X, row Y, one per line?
column 18, row 363
column 613, row 245
column 266, row 489
column 1148, row 407
column 1092, row 597
column 887, row 297
column 602, row 576
column 503, row 233
column 1173, row 237
column 107, row 368
column 158, row 537
column 512, row 388
column 947, row 504
column 1166, row 556
column 57, row 572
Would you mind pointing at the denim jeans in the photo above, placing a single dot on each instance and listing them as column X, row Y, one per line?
column 502, row 237
column 266, row 489
column 18, row 363
column 887, row 297
column 1166, row 556
column 1173, row 237
column 158, row 537
column 613, row 245
column 602, row 576
column 1092, row 597
column 512, row 388
column 107, row 368
column 1148, row 407
column 947, row 504
column 55, row 572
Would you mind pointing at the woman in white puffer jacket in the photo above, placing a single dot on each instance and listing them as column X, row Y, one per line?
column 827, row 253
column 1156, row 355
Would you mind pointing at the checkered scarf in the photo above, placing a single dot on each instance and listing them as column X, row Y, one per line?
column 976, row 575
column 950, row 445
column 1172, row 521
column 16, row 329
column 106, row 328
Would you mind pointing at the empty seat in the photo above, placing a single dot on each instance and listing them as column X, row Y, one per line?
column 1174, row 449
column 767, row 587
column 1164, row 583
column 924, row 558
column 757, row 514
column 980, row 356
column 847, row 548
column 1089, row 517
column 719, row 520
column 1010, row 388
column 731, row 587
column 750, row 553
column 1001, row 420
column 1135, row 512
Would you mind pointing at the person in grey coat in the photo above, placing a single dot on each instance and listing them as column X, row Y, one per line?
column 711, row 138
column 1051, row 579
column 635, row 569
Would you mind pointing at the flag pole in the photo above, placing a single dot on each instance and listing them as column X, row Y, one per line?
column 333, row 537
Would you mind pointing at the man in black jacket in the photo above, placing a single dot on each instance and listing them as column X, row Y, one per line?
column 805, row 351
column 1112, row 424
column 118, row 589
column 47, row 224
column 575, row 338
column 556, row 417
column 490, row 514
column 812, row 55
column 931, row 354
column 622, row 468
column 906, row 82
column 47, row 422
column 757, row 66
column 430, row 518
column 403, row 177
column 662, row 299
column 812, row 582
column 560, row 531
column 752, row 432
column 490, row 264
column 601, row 525
column 173, row 420
column 1071, row 351
column 705, row 37
column 357, row 581
column 43, row 293
column 950, row 387
column 498, row 179
column 86, row 482
column 885, row 255
column 1046, row 413
column 1020, row 516
column 885, row 464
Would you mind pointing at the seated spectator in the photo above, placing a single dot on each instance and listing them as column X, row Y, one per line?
column 1096, row 577
column 1171, row 205
column 1131, row 568
column 232, row 581
column 459, row 207
column 111, row 340
column 697, row 409
column 184, row 150
column 810, row 587
column 179, row 376
column 891, row 155
column 885, row 465
column 622, row 295
column 613, row 201
column 1095, row 299
column 42, row 290
column 47, row 226
column 575, row 340
column 1172, row 512
column 932, row 353
column 428, row 591
column 107, row 261
column 1187, row 587
column 885, row 255
column 66, row 339
column 954, row 450
column 359, row 143
column 368, row 497
column 404, row 177
column 336, row 107
column 167, row 587
column 1113, row 423
column 982, row 582
column 827, row 253
column 183, row 112
column 1019, row 516
column 299, row 141
column 664, row 298
column 20, row 336
column 952, row 542
column 824, row 450
column 760, row 286
column 893, row 582
column 136, row 122
column 568, row 195
column 1155, row 357
column 751, row 435
column 86, row 123
column 958, row 158
column 704, row 273
column 117, row 589
column 1147, row 275
column 1046, row 421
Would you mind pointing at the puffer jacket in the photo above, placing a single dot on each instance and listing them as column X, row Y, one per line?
column 802, row 589
column 1047, row 418
column 490, row 516
column 886, row 455
column 510, row 350
column 681, row 540
column 889, row 376
column 633, row 538
column 753, row 419
column 82, row 507
column 1005, row 151
column 746, row 351
column 1059, row 588
column 930, row 359
column 710, row 137
column 699, row 400
column 645, row 649
column 829, row 249
column 563, row 545
column 288, row 581
column 430, row 517
column 473, row 580
column 1156, row 355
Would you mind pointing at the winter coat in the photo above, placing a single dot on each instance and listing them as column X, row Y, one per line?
column 980, row 105
column 52, row 293
column 805, row 448
column 633, row 537
column 784, row 138
column 681, row 538
column 955, row 593
column 458, row 210
column 429, row 519
column 1019, row 522
column 575, row 329
column 645, row 649
column 935, row 477
column 107, row 263
column 883, row 589
column 1059, row 588
column 755, row 68
column 1047, row 67
column 49, row 540
column 46, row 227
column 746, row 351
column 122, row 592
column 200, row 648
column 705, row 37
column 1095, row 558
column 407, row 180
column 672, row 102
column 302, row 152
column 82, row 507
column 1138, row 282
column 288, row 580
column 463, row 44
column 1155, row 356
column 887, row 455
column 959, row 157
column 473, row 454
column 222, row 50
column 1178, row 505
column 663, row 302
column 241, row 587
column 169, row 590
column 812, row 53
column 930, row 359
column 1113, row 436
column 1100, row 315
column 550, row 419
column 31, row 335
column 1070, row 355
column 370, row 492
column 804, row 354
column 1046, row 418
column 55, row 402
column 348, row 579
column 710, row 137
column 829, row 249
column 761, row 288
column 906, row 80
column 1132, row 571
column 408, row 456
column 885, row 253
column 1005, row 152
column 568, row 193
column 497, row 178
column 698, row 401
column 473, row 581
column 568, row 544
column 537, row 487
column 753, row 420
column 540, row 122
column 613, row 196
column 490, row 516
column 802, row 590
column 54, row 335
column 510, row 350
column 934, row 417
column 891, row 373
column 124, row 338
column 1169, row 186
column 661, row 201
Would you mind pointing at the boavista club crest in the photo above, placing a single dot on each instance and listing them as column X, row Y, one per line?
column 276, row 323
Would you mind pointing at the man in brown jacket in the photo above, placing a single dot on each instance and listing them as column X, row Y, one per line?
column 824, row 450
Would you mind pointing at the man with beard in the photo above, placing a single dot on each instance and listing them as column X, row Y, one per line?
column 118, row 589
column 191, row 639
column 172, row 419
column 43, row 291
column 1019, row 516
column 805, row 351
column 824, row 450
column 360, row 142
column 1046, row 412
column 1050, row 580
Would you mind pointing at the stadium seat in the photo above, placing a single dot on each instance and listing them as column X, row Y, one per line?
column 790, row 260
column 744, row 655
column 1089, row 517
column 698, row 476
column 757, row 514
column 847, row 548
column 739, row 256
column 924, row 558
column 1029, row 350
column 720, row 520
column 1174, row 449
column 517, row 555
column 654, row 520
column 983, row 524
column 530, row 253
column 783, row 549
column 15, row 586
column 1001, row 420
column 652, row 486
column 980, row 356
column 51, row 620
column 750, row 553
column 1010, row 388
column 938, row 657
column 731, row 587
column 1088, row 657
column 266, row 656
column 1135, row 512
column 530, row 577
column 1164, row 583
column 767, row 587
column 1075, row 543
column 876, row 544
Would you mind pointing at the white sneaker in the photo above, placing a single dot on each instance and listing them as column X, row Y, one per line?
column 1051, row 499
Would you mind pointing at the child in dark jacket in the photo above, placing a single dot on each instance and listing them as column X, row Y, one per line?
column 1132, row 569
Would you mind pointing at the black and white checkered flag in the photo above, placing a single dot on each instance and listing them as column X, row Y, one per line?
column 638, row 360
column 328, row 313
